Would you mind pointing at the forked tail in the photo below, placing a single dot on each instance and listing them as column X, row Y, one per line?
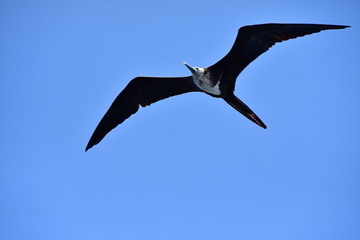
column 243, row 109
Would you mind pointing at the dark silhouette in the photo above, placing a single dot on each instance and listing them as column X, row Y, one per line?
column 217, row 80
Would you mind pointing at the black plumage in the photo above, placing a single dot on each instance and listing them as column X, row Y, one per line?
column 251, row 42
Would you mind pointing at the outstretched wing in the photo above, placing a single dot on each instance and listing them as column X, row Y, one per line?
column 140, row 91
column 253, row 40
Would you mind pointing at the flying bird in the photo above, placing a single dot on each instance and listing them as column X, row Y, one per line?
column 218, row 80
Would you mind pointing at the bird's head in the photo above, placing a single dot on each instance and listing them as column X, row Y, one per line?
column 194, row 70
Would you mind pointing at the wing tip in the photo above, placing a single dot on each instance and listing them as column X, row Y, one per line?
column 92, row 142
column 89, row 146
column 339, row 26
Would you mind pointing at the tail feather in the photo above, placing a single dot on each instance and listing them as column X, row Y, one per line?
column 241, row 107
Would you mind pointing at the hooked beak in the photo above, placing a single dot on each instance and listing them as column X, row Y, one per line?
column 190, row 68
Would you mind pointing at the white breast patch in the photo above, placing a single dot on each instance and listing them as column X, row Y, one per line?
column 203, row 82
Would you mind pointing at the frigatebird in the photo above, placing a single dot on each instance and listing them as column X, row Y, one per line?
column 217, row 80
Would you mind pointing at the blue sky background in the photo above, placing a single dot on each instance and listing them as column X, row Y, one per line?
column 190, row 167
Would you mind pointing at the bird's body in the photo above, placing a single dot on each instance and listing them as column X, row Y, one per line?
column 217, row 80
column 203, row 79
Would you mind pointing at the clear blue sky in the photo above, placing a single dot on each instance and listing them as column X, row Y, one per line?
column 189, row 167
